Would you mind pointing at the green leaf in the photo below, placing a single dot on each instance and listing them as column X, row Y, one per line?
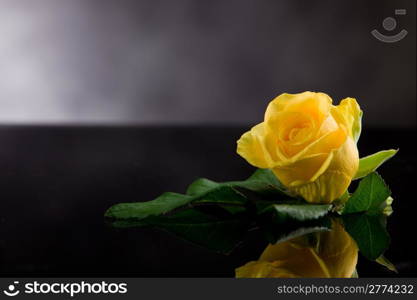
column 364, row 217
column 170, row 201
column 266, row 176
column 139, row 210
column 370, row 163
column 369, row 233
column 220, row 234
column 369, row 196
column 299, row 212
column 223, row 223
column 202, row 191
column 201, row 185
column 277, row 232
column 262, row 181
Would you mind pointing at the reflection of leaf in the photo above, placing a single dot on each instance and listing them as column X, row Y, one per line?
column 220, row 234
column 369, row 196
column 364, row 216
column 276, row 232
column 370, row 163
column 299, row 212
column 369, row 232
column 382, row 260
column 217, row 215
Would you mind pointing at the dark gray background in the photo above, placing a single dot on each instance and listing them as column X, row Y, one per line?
column 164, row 62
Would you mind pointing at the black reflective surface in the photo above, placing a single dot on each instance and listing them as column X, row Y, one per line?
column 56, row 183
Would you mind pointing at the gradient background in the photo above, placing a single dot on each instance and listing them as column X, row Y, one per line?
column 169, row 62
column 191, row 77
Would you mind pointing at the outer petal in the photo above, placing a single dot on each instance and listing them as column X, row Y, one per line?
column 252, row 147
column 346, row 159
column 324, row 144
column 304, row 170
column 349, row 114
column 335, row 180
column 313, row 104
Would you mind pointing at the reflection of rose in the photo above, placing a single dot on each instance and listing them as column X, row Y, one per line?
column 334, row 254
column 308, row 143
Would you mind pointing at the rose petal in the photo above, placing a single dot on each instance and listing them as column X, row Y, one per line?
column 252, row 147
column 349, row 114
column 304, row 170
column 325, row 144
column 316, row 105
column 335, row 180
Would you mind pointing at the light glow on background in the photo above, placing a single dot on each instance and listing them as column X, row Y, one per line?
column 165, row 62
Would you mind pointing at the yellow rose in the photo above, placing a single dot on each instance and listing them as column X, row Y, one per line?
column 334, row 255
column 309, row 144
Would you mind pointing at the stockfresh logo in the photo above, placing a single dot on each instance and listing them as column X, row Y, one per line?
column 61, row 288
column 12, row 290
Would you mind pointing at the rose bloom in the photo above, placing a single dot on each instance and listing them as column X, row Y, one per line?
column 308, row 143
column 334, row 254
